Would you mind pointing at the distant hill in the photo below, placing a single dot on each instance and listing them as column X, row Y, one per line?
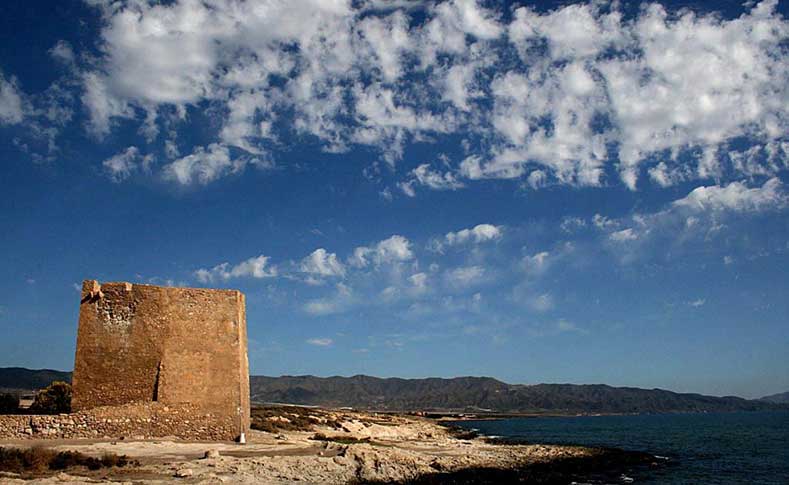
column 475, row 394
column 485, row 393
column 782, row 398
column 28, row 379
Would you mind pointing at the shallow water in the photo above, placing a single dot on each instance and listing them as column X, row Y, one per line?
column 712, row 448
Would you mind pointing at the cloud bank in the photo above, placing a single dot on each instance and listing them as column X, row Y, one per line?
column 583, row 95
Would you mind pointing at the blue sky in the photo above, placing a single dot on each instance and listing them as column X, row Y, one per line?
column 552, row 192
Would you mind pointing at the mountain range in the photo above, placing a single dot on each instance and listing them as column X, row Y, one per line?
column 460, row 394
column 782, row 398
column 19, row 378
column 485, row 394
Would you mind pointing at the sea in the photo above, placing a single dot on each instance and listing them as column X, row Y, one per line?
column 705, row 448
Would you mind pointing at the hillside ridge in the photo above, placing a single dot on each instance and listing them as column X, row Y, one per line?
column 485, row 394
column 780, row 398
column 464, row 394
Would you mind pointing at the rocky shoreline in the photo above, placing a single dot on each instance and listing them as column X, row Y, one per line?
column 603, row 466
column 338, row 446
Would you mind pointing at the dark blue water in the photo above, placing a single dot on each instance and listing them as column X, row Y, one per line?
column 725, row 448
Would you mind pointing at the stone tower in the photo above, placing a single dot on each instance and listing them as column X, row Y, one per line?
column 143, row 344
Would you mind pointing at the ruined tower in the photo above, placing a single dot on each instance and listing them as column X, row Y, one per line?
column 144, row 343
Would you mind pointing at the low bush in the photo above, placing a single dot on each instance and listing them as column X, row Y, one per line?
column 54, row 399
column 37, row 461
column 344, row 440
column 9, row 403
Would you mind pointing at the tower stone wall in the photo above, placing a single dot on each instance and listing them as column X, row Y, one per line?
column 173, row 346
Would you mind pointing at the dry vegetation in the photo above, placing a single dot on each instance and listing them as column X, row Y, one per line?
column 39, row 461
column 343, row 440
column 53, row 399
column 276, row 419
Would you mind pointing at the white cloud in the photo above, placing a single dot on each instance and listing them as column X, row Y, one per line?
column 537, row 179
column 256, row 267
column 760, row 160
column 185, row 52
column 541, row 303
column 119, row 167
column 558, row 97
column 390, row 293
column 457, row 82
column 388, row 39
column 650, row 97
column 423, row 175
column 705, row 213
column 479, row 233
column 571, row 152
column 320, row 342
column 658, row 106
column 171, row 149
column 342, row 299
column 571, row 224
column 571, row 32
column 11, row 104
column 736, row 197
column 563, row 325
column 419, row 281
column 63, row 52
column 203, row 166
column 556, row 328
column 698, row 302
column 386, row 122
column 386, row 194
column 413, row 287
column 101, row 105
column 536, row 263
column 603, row 223
column 394, row 249
column 624, row 235
column 465, row 276
column 665, row 176
column 243, row 126
column 471, row 18
column 322, row 263
column 321, row 307
column 452, row 21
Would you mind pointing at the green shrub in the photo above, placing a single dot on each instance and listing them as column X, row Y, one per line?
column 9, row 403
column 54, row 399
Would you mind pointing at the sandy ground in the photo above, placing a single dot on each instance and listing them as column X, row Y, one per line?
column 394, row 448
